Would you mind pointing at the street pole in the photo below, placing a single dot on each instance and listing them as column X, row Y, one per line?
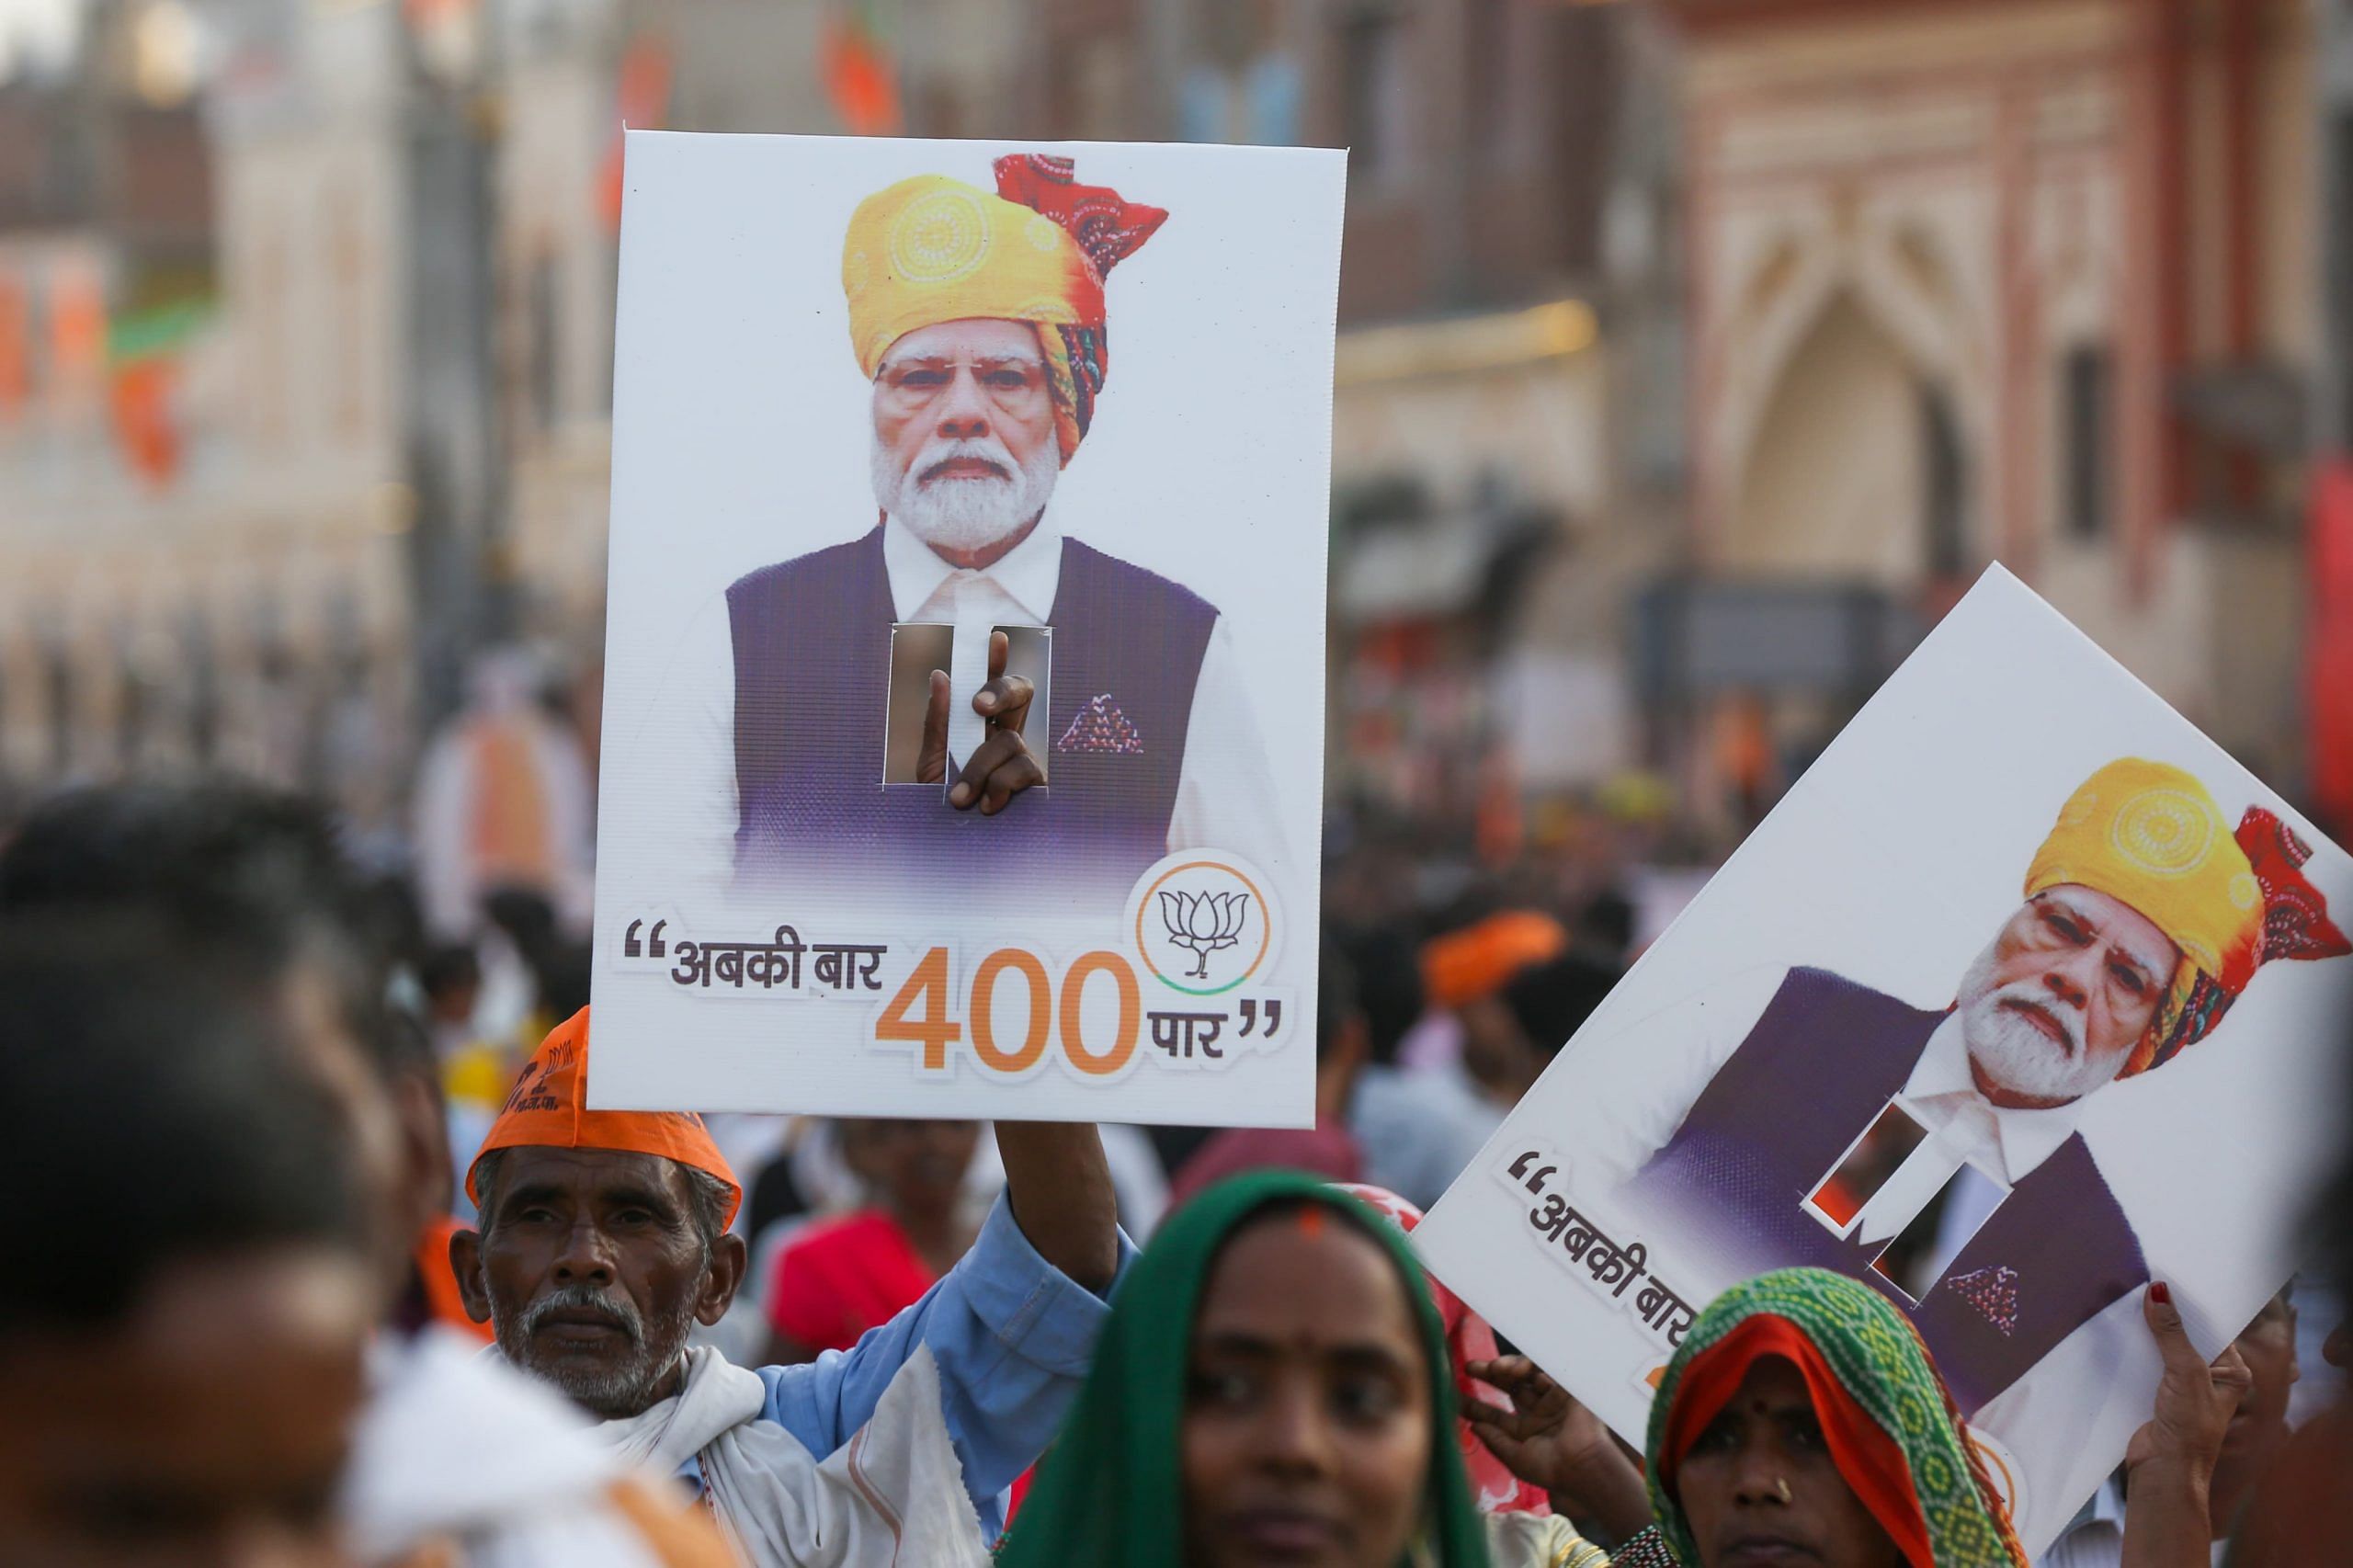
column 451, row 418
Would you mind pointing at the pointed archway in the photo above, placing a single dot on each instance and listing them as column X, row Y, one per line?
column 1856, row 468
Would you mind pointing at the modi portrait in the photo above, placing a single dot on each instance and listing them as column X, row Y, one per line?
column 1046, row 700
column 1934, row 1152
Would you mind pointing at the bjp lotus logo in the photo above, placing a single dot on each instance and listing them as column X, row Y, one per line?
column 1201, row 925
column 1205, row 922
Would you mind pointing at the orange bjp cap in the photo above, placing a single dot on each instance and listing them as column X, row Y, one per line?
column 1480, row 960
column 547, row 1109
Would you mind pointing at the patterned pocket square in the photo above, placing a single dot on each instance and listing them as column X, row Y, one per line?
column 1099, row 726
column 1993, row 1292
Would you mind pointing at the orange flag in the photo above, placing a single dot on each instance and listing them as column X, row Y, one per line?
column 142, row 418
column 16, row 377
column 643, row 105
column 861, row 78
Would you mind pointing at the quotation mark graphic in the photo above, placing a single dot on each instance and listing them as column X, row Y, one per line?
column 1250, row 1016
column 1519, row 1168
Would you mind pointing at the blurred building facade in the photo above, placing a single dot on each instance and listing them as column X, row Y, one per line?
column 2032, row 281
column 1694, row 353
column 1470, row 474
column 1470, row 468
column 206, row 501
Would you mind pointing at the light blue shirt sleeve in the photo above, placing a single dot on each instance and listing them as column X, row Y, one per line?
column 1013, row 1337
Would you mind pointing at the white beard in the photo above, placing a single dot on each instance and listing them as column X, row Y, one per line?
column 2016, row 1056
column 964, row 514
column 626, row 1385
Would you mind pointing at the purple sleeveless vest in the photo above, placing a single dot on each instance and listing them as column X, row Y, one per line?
column 812, row 648
column 1821, row 1062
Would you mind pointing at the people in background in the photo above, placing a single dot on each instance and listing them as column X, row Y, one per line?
column 1417, row 1128
column 1464, row 970
column 839, row 1277
column 2299, row 1513
column 2257, row 1431
column 1329, row 1149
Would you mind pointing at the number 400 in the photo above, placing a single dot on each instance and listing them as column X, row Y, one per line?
column 935, row 1030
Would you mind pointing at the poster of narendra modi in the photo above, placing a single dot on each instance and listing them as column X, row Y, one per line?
column 964, row 678
column 2025, row 996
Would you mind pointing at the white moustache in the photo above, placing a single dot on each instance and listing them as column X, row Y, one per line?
column 939, row 454
column 2026, row 994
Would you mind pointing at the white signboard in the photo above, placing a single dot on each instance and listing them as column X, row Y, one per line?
column 964, row 680
column 2026, row 996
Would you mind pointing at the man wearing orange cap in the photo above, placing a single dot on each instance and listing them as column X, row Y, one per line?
column 1467, row 971
column 979, row 319
column 604, row 1239
column 1804, row 1119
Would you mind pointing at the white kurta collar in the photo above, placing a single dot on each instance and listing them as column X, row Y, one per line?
column 2012, row 1143
column 1030, row 573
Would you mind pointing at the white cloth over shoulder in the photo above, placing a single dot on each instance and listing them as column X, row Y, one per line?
column 894, row 1493
column 457, row 1450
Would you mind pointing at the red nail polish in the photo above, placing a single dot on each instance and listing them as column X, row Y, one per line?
column 2161, row 1293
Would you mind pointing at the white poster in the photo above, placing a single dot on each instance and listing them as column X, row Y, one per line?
column 2025, row 996
column 965, row 675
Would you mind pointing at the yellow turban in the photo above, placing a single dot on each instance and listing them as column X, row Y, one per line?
column 931, row 249
column 2150, row 835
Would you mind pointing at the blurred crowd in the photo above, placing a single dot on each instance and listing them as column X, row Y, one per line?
column 329, row 1263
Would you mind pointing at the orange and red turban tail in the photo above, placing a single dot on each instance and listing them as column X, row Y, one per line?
column 931, row 249
column 548, row 1108
column 1107, row 230
column 2295, row 925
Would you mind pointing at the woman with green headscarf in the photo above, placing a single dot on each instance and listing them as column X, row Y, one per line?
column 1803, row 1421
column 1273, row 1386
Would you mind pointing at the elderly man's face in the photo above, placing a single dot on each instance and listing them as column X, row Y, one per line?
column 592, row 1271
column 2051, row 1010
column 964, row 451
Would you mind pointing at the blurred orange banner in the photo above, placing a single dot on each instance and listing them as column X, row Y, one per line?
column 861, row 78
column 142, row 418
column 77, row 325
column 15, row 367
column 643, row 102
